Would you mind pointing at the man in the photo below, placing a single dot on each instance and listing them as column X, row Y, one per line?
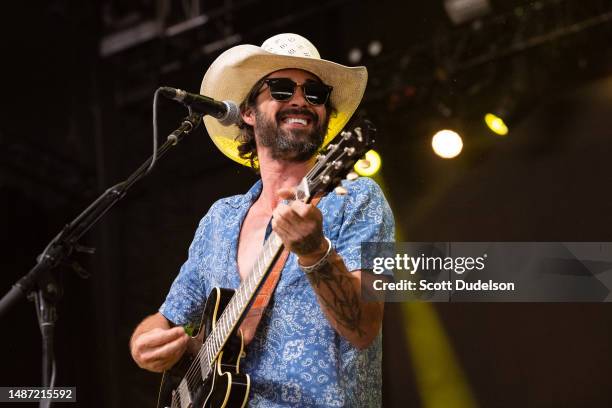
column 318, row 343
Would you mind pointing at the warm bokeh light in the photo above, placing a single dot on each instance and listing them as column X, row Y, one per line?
column 447, row 144
column 369, row 165
column 496, row 124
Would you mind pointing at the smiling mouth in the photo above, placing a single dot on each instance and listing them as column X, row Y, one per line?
column 296, row 121
column 297, row 118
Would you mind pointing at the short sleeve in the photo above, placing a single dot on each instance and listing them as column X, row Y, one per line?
column 367, row 218
column 185, row 300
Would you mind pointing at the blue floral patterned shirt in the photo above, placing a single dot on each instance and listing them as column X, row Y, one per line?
column 296, row 358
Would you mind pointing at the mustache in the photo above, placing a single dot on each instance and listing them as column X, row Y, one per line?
column 280, row 115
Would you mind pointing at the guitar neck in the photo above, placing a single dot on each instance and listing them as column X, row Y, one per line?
column 236, row 308
column 338, row 159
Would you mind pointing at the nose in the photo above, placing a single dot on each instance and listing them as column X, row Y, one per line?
column 298, row 98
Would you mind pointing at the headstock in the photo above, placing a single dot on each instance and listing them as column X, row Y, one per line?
column 338, row 159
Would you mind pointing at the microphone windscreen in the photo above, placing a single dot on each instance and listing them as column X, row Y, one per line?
column 232, row 116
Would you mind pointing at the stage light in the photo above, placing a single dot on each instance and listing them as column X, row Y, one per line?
column 354, row 55
column 447, row 144
column 369, row 165
column 374, row 48
column 462, row 11
column 496, row 124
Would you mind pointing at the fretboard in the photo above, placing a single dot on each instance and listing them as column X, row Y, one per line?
column 236, row 307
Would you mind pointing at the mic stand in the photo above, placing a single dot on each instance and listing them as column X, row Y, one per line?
column 40, row 285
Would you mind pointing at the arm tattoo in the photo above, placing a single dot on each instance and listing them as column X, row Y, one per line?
column 344, row 303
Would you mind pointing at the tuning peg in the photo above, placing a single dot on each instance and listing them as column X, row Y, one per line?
column 349, row 151
column 331, row 146
column 359, row 134
column 352, row 176
column 341, row 191
column 346, row 134
column 337, row 164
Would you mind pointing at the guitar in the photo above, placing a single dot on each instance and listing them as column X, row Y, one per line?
column 208, row 375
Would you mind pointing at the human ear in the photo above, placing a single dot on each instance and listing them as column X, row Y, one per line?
column 248, row 116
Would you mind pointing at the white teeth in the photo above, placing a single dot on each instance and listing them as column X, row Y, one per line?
column 297, row 120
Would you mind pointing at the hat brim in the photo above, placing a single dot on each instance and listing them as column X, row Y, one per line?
column 231, row 76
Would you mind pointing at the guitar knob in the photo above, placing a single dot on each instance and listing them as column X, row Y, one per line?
column 359, row 135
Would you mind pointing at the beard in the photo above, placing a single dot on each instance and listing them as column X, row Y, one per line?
column 293, row 145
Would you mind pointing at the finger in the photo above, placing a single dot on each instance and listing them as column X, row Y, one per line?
column 303, row 210
column 286, row 233
column 281, row 227
column 159, row 337
column 168, row 352
column 278, row 211
column 155, row 367
column 286, row 213
column 165, row 356
column 304, row 219
column 289, row 220
column 286, row 193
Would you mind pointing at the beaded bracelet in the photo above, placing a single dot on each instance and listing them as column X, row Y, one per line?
column 317, row 265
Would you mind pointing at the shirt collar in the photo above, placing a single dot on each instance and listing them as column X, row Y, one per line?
column 249, row 198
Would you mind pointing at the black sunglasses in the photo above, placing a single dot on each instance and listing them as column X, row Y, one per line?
column 283, row 89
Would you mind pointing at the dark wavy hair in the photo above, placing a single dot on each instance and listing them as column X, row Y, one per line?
column 247, row 149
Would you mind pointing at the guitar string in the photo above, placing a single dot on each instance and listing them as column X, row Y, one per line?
column 235, row 304
column 223, row 324
column 191, row 375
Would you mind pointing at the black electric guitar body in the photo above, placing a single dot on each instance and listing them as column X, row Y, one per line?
column 208, row 375
column 225, row 385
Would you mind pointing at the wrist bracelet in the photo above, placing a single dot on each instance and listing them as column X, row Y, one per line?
column 317, row 265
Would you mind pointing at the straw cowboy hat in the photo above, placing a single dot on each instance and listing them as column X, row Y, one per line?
column 232, row 75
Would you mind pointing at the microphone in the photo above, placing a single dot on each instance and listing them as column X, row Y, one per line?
column 226, row 112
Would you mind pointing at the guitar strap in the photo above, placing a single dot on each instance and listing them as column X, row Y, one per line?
column 253, row 317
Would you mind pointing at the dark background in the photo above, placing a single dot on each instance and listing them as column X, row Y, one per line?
column 76, row 118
